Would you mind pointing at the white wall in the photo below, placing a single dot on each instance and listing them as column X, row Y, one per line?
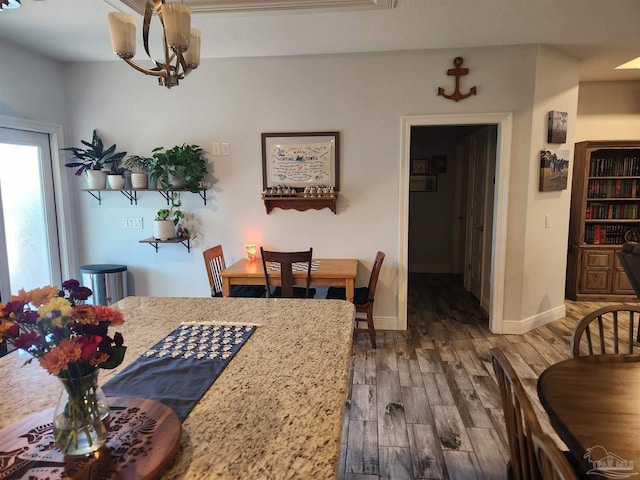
column 608, row 111
column 545, row 249
column 363, row 96
column 30, row 86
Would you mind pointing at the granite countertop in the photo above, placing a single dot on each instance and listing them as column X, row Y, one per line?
column 276, row 410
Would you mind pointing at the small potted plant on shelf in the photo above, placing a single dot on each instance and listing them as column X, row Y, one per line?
column 93, row 160
column 140, row 167
column 180, row 167
column 167, row 219
column 116, row 175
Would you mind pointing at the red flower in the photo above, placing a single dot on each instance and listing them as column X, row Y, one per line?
column 89, row 345
column 26, row 340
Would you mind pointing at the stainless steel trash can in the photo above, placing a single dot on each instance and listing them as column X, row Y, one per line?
column 107, row 282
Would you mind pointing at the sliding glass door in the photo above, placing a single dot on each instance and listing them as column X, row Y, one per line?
column 29, row 247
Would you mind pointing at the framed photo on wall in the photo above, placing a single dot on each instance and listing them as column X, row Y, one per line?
column 554, row 170
column 557, row 127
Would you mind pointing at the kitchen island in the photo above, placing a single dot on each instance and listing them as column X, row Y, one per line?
column 275, row 411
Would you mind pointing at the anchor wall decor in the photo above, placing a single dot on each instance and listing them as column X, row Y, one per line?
column 457, row 72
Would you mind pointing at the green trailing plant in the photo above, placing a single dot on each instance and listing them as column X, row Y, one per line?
column 174, row 213
column 95, row 156
column 185, row 160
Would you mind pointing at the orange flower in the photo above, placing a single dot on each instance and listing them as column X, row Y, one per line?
column 111, row 314
column 58, row 358
column 84, row 314
column 99, row 358
column 36, row 297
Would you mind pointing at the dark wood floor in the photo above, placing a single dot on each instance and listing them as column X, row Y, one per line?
column 425, row 404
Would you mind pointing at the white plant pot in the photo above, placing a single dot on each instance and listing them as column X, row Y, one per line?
column 139, row 180
column 96, row 179
column 116, row 182
column 163, row 229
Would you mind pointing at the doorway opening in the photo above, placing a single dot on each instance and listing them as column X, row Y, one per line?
column 450, row 220
column 466, row 225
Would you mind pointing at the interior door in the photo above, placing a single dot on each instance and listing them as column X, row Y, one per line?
column 29, row 246
column 476, row 227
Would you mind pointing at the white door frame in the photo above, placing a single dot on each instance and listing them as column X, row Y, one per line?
column 61, row 187
column 498, row 250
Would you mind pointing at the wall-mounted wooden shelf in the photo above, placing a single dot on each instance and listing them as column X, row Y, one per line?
column 154, row 242
column 132, row 194
column 300, row 203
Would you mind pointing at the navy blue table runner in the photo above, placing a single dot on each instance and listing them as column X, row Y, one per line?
column 179, row 369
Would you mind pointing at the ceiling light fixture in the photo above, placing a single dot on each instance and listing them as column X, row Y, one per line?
column 181, row 42
column 9, row 4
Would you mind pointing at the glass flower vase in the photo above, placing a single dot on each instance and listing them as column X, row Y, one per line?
column 80, row 419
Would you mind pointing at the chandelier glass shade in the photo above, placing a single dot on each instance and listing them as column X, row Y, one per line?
column 8, row 4
column 181, row 43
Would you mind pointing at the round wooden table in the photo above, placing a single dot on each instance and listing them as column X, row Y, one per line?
column 144, row 436
column 594, row 405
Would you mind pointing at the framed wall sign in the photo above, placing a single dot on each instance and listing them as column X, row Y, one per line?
column 301, row 159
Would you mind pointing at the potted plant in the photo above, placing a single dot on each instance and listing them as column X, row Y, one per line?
column 182, row 166
column 93, row 159
column 167, row 219
column 116, row 175
column 140, row 167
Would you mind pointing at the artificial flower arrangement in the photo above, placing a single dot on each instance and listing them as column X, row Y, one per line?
column 70, row 339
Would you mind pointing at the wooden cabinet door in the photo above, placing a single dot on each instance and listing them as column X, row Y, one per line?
column 597, row 269
column 621, row 284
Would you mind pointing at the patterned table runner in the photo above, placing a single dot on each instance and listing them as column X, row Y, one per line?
column 179, row 369
column 296, row 267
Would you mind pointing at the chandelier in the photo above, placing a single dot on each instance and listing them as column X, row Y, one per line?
column 181, row 42
column 8, row 4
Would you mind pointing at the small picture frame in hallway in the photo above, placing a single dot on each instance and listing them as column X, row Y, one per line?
column 438, row 164
column 419, row 166
column 423, row 183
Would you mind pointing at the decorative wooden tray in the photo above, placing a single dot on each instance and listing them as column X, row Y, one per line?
column 144, row 436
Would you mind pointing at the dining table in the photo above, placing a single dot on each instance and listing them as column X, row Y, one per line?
column 330, row 272
column 274, row 412
column 593, row 405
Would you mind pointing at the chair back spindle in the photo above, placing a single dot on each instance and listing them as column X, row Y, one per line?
column 613, row 329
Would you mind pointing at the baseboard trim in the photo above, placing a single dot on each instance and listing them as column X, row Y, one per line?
column 386, row 323
column 519, row 327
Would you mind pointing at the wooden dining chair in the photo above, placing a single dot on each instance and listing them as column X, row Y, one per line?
column 214, row 262
column 362, row 299
column 612, row 329
column 520, row 420
column 284, row 262
column 552, row 462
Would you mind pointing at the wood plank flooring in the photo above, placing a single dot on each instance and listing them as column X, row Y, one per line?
column 425, row 403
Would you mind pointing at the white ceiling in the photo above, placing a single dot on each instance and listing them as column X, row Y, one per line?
column 600, row 34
